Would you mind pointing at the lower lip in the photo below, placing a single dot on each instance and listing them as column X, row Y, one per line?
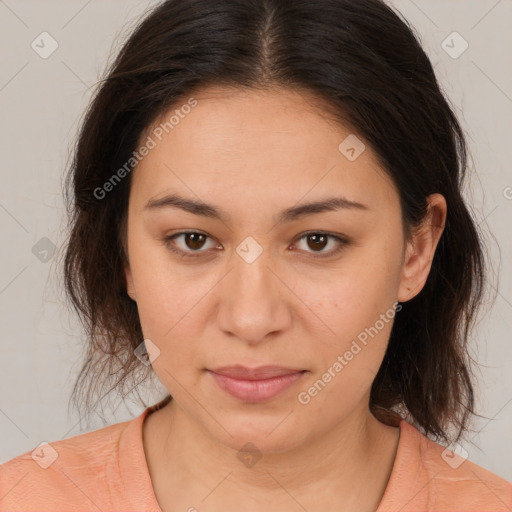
column 256, row 390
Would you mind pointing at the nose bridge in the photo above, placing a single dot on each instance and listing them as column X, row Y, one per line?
column 251, row 302
column 253, row 274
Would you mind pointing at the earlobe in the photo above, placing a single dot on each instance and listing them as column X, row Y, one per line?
column 130, row 288
column 421, row 247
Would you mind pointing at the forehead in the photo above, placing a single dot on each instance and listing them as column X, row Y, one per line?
column 277, row 145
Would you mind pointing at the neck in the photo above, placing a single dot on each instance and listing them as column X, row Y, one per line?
column 348, row 464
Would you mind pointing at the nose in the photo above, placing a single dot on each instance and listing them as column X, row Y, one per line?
column 254, row 303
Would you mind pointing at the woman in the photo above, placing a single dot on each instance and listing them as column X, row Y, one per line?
column 266, row 212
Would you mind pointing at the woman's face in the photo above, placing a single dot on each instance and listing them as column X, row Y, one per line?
column 252, row 288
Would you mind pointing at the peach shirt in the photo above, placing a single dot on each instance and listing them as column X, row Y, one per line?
column 106, row 470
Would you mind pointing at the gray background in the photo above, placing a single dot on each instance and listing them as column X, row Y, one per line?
column 42, row 101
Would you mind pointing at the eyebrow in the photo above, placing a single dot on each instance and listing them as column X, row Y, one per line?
column 198, row 207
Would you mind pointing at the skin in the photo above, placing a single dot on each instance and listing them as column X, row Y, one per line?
column 252, row 154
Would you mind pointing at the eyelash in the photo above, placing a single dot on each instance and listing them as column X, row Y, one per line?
column 168, row 242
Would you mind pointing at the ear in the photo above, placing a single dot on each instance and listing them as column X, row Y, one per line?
column 130, row 288
column 420, row 250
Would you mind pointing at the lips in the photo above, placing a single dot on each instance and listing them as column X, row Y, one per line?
column 259, row 373
column 253, row 385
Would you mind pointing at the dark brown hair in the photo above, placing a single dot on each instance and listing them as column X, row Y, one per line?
column 364, row 61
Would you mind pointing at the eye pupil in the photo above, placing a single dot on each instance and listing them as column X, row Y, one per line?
column 197, row 240
column 319, row 241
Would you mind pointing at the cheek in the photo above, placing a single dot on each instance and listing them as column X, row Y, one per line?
column 346, row 362
column 168, row 306
column 359, row 321
column 358, row 307
column 173, row 306
column 355, row 295
column 163, row 293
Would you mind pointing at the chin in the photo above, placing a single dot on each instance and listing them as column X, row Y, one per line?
column 265, row 435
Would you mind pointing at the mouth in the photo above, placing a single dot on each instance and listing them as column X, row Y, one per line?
column 255, row 385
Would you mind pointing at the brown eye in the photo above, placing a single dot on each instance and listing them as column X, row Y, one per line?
column 317, row 241
column 188, row 243
column 195, row 241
